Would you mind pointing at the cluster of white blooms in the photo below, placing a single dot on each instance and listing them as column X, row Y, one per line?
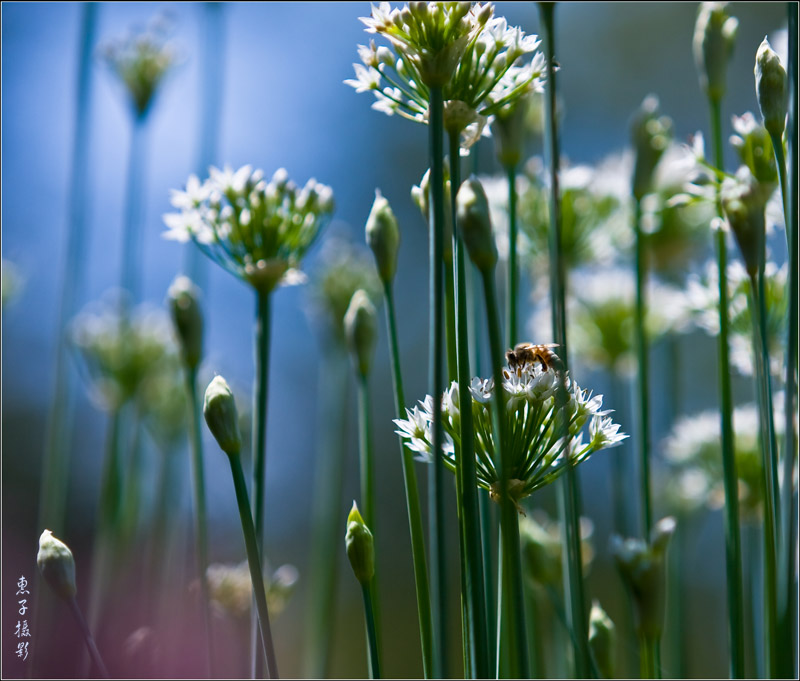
column 535, row 450
column 476, row 58
column 232, row 590
column 258, row 230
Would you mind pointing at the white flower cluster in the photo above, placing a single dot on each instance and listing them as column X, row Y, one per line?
column 255, row 229
column 480, row 55
column 532, row 426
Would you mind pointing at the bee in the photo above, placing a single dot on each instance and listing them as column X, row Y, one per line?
column 527, row 353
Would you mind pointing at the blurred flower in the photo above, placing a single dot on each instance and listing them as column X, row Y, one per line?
column 542, row 548
column 754, row 146
column 714, row 38
column 602, row 640
column 702, row 301
column 141, row 61
column 11, row 281
column 256, row 230
column 342, row 269
column 232, row 591
column 693, row 452
column 744, row 201
column 122, row 351
column 473, row 56
column 165, row 406
column 537, row 455
column 651, row 134
column 183, row 298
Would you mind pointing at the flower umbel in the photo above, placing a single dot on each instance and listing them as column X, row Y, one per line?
column 256, row 230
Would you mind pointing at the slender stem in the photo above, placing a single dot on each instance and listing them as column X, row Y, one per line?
column 511, row 559
column 619, row 467
column 512, row 285
column 132, row 243
column 484, row 506
column 436, row 491
column 327, row 498
column 733, row 549
column 771, row 494
column 260, row 395
column 372, row 639
column 87, row 635
column 450, row 318
column 412, row 499
column 647, row 657
column 254, row 562
column 569, row 506
column 200, row 521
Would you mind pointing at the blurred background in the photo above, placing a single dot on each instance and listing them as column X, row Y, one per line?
column 279, row 69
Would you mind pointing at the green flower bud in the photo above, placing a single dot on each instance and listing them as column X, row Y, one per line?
column 421, row 197
column 541, row 553
column 602, row 640
column 771, row 89
column 744, row 203
column 187, row 317
column 360, row 547
column 57, row 565
column 508, row 129
column 714, row 36
column 651, row 135
column 219, row 410
column 643, row 569
column 475, row 224
column 383, row 237
column 361, row 330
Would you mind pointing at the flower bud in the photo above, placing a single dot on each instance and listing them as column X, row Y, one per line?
column 771, row 89
column 360, row 547
column 475, row 224
column 421, row 197
column 744, row 203
column 602, row 640
column 361, row 329
column 508, row 129
column 57, row 565
column 219, row 410
column 187, row 317
column 651, row 135
column 383, row 237
column 541, row 553
column 714, row 36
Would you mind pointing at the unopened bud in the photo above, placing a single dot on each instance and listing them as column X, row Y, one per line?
column 219, row 410
column 184, row 305
column 57, row 565
column 360, row 547
column 383, row 237
column 508, row 129
column 651, row 134
column 360, row 330
column 714, row 38
column 421, row 197
column 475, row 225
column 602, row 641
column 744, row 203
column 771, row 89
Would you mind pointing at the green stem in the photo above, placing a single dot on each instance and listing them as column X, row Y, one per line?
column 733, row 548
column 412, row 498
column 200, row 521
column 569, row 507
column 372, row 639
column 484, row 506
column 87, row 635
column 771, row 492
column 436, row 487
column 260, row 393
column 647, row 657
column 132, row 233
column 450, row 319
column 512, row 285
column 619, row 466
column 511, row 559
column 327, row 501
column 254, row 562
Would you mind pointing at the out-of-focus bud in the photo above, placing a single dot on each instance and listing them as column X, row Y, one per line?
column 754, row 146
column 421, row 197
column 541, row 553
column 361, row 330
column 184, row 305
column 651, row 135
column 744, row 203
column 57, row 565
column 643, row 569
column 602, row 640
column 360, row 547
column 771, row 89
column 383, row 237
column 508, row 129
column 475, row 224
column 219, row 410
column 714, row 38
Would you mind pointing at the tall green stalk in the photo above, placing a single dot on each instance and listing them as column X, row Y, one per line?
column 412, row 498
column 87, row 635
column 372, row 637
column 436, row 491
column 648, row 656
column 200, row 521
column 512, row 284
column 733, row 547
column 569, row 507
column 132, row 243
column 513, row 595
column 327, row 500
column 476, row 600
